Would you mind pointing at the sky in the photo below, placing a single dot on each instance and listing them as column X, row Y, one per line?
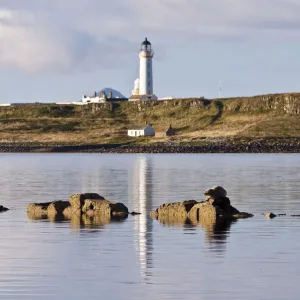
column 58, row 50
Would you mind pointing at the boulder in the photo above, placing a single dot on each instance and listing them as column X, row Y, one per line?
column 104, row 207
column 206, row 211
column 175, row 209
column 3, row 209
column 270, row 216
column 217, row 206
column 58, row 207
column 80, row 207
column 77, row 200
column 38, row 209
column 216, row 192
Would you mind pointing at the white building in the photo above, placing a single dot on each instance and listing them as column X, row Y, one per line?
column 103, row 96
column 143, row 86
column 141, row 130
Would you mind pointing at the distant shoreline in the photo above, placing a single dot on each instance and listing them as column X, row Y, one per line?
column 218, row 145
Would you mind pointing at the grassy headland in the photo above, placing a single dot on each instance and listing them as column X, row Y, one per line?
column 196, row 121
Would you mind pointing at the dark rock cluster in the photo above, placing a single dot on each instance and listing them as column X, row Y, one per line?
column 3, row 209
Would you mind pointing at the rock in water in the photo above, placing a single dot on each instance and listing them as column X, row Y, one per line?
column 42, row 210
column 270, row 216
column 178, row 209
column 3, row 209
column 93, row 205
column 216, row 192
column 38, row 209
column 77, row 200
column 216, row 206
column 104, row 207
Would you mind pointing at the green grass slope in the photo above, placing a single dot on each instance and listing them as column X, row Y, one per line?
column 193, row 119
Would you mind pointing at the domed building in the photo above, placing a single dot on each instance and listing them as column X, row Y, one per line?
column 104, row 95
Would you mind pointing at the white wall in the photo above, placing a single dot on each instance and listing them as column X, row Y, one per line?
column 148, row 131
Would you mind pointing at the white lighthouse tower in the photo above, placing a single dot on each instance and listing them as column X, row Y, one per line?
column 146, row 75
column 144, row 91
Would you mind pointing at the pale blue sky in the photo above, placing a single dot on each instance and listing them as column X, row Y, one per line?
column 57, row 50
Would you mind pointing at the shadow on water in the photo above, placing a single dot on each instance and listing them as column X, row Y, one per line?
column 79, row 221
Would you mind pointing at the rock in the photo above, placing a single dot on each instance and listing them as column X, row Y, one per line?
column 77, row 200
column 104, row 207
column 38, row 209
column 216, row 192
column 3, row 209
column 58, row 207
column 241, row 215
column 270, row 216
column 133, row 213
column 178, row 209
column 216, row 207
column 206, row 211
column 223, row 203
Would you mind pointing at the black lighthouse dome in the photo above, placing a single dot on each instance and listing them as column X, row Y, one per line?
column 146, row 45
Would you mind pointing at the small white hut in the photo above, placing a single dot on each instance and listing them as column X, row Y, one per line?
column 141, row 130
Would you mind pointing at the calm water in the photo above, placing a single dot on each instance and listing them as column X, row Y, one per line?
column 140, row 258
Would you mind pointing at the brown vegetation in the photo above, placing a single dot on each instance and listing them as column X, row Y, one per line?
column 193, row 119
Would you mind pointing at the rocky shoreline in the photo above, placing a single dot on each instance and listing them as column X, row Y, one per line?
column 218, row 145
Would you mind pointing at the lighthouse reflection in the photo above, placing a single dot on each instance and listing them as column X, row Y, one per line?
column 142, row 202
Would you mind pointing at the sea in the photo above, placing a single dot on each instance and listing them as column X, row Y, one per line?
column 140, row 257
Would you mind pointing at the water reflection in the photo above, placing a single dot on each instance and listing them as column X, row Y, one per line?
column 78, row 221
column 142, row 202
column 216, row 231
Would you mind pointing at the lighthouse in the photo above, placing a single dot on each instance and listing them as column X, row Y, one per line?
column 146, row 75
column 143, row 86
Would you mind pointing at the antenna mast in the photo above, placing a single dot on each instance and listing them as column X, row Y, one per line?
column 220, row 89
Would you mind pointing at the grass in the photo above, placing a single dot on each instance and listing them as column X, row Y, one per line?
column 193, row 119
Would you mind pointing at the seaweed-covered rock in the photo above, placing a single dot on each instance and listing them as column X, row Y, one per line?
column 77, row 200
column 3, row 209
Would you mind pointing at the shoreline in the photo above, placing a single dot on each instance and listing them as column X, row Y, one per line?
column 217, row 145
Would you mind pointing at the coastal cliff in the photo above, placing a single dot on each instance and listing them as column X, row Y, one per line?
column 198, row 122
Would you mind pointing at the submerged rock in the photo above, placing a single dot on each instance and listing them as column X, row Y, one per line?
column 3, row 209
